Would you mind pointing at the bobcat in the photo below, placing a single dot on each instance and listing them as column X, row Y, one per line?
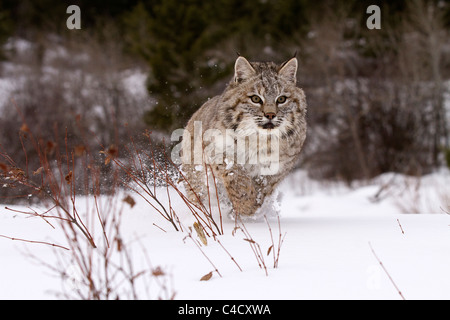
column 248, row 138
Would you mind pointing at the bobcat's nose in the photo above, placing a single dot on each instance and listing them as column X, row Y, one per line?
column 270, row 115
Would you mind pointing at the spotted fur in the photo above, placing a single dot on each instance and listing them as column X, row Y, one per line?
column 261, row 109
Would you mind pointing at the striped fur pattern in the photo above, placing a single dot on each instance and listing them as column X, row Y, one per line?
column 250, row 137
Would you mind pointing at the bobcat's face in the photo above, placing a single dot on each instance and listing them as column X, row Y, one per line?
column 269, row 104
column 266, row 97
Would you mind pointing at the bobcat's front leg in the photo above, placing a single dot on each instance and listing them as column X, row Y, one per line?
column 241, row 191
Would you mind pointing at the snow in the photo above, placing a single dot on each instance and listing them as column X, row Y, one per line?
column 134, row 82
column 76, row 78
column 328, row 229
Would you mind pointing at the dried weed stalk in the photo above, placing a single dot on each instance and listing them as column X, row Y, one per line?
column 145, row 170
column 52, row 181
column 387, row 273
column 96, row 262
column 275, row 250
column 99, row 263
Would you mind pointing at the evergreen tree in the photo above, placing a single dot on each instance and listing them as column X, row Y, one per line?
column 184, row 44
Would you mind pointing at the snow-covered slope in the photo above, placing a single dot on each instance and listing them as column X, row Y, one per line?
column 330, row 231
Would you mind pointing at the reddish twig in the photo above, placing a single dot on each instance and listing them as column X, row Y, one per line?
column 204, row 254
column 33, row 241
column 398, row 221
column 253, row 245
column 387, row 273
column 276, row 256
column 231, row 257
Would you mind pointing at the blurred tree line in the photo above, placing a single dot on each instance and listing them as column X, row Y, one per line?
column 189, row 45
column 378, row 95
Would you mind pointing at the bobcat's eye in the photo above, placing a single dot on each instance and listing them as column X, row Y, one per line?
column 256, row 99
column 281, row 99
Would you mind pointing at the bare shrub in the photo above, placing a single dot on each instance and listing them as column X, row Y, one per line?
column 95, row 262
column 152, row 166
column 82, row 83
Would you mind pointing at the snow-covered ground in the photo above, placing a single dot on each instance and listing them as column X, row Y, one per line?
column 330, row 231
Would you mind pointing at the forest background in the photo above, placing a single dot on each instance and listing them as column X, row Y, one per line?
column 378, row 99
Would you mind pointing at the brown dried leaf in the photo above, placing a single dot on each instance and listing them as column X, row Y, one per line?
column 79, row 150
column 158, row 272
column 38, row 171
column 16, row 173
column 270, row 249
column 147, row 133
column 3, row 167
column 129, row 199
column 68, row 177
column 206, row 277
column 50, row 147
column 199, row 229
column 24, row 128
column 119, row 244
column 250, row 240
column 107, row 160
column 111, row 153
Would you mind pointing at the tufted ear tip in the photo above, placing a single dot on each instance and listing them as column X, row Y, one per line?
column 289, row 69
column 242, row 69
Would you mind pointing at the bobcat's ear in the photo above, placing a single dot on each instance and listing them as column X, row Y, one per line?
column 242, row 69
column 289, row 69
